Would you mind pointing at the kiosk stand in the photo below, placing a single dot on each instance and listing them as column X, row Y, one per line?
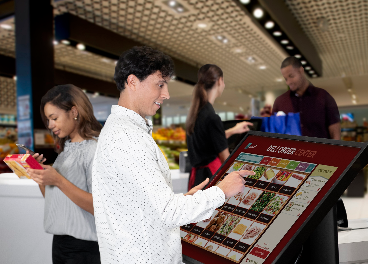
column 297, row 182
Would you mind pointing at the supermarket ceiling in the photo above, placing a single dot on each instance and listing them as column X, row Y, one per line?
column 338, row 30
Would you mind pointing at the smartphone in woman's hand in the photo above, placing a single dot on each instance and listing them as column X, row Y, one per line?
column 26, row 149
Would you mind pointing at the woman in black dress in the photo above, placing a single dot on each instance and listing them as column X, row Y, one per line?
column 206, row 137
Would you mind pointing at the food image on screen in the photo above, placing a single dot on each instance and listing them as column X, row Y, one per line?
column 269, row 174
column 191, row 238
column 248, row 167
column 210, row 247
column 262, row 201
column 236, row 166
column 239, row 229
column 216, row 222
column 259, row 172
column 229, row 225
column 252, row 232
column 250, row 198
column 281, row 177
column 289, row 206
column 275, row 205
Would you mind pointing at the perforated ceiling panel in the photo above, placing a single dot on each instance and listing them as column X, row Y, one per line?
column 339, row 32
column 152, row 23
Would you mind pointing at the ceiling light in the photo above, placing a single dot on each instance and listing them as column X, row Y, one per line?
column 55, row 42
column 303, row 62
column 258, row 13
column 238, row 50
column 14, row 77
column 354, row 96
column 172, row 3
column 290, row 47
column 224, row 103
column 269, row 24
column 298, row 56
column 279, row 80
column 277, row 33
column 349, row 90
column 219, row 37
column 311, row 72
column 284, row 41
column 251, row 60
column 202, row 25
column 105, row 60
column 245, row 2
column 354, row 101
column 308, row 68
column 65, row 42
column 84, row 90
column 96, row 94
column 241, row 108
column 262, row 67
column 314, row 75
column 225, row 40
column 180, row 9
column 240, row 91
column 81, row 46
column 116, row 62
column 5, row 26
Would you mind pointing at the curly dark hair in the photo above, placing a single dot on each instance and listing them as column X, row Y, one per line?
column 142, row 61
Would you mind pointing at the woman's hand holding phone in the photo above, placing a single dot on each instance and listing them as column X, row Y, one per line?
column 40, row 159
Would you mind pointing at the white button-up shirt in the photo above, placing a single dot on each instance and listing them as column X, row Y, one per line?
column 137, row 213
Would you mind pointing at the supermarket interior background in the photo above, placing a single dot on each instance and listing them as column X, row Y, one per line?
column 44, row 43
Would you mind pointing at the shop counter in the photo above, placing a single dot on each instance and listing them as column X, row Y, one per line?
column 22, row 237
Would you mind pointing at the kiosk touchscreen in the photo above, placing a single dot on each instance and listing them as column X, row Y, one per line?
column 297, row 181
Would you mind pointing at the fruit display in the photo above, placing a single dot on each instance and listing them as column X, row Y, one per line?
column 171, row 142
column 169, row 134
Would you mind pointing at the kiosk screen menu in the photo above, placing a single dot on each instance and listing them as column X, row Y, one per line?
column 291, row 178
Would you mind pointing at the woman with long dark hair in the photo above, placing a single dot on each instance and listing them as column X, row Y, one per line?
column 67, row 185
column 206, row 137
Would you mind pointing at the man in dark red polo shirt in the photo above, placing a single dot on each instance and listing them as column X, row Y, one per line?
column 319, row 116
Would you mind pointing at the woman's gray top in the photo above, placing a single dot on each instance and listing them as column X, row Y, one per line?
column 62, row 216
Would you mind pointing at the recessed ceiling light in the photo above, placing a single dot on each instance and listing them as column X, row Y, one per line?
column 354, row 96
column 65, row 42
column 5, row 26
column 349, row 90
column 241, row 108
column 219, row 37
column 262, row 67
column 180, row 9
column 81, row 46
column 314, row 75
column 311, row 72
column 258, row 13
column 277, row 33
column 172, row 3
column 279, row 80
column 251, row 60
column 96, row 94
column 55, row 42
column 269, row 24
column 224, row 103
column 116, row 62
column 284, row 41
column 14, row 77
column 237, row 50
column 225, row 40
column 308, row 68
column 303, row 62
column 245, row 2
column 354, row 101
column 298, row 56
column 289, row 47
column 105, row 60
column 202, row 25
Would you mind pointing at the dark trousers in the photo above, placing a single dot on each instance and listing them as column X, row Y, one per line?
column 70, row 250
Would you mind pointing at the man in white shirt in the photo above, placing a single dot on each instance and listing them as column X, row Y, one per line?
column 137, row 214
